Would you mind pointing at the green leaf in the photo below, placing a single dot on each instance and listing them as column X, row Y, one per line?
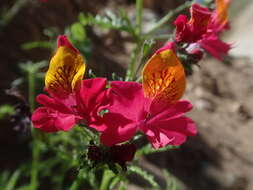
column 51, row 32
column 148, row 149
column 5, row 110
column 171, row 181
column 122, row 186
column 37, row 44
column 17, row 82
column 109, row 21
column 25, row 187
column 13, row 180
column 114, row 182
column 83, row 19
column 78, row 32
column 4, row 178
column 147, row 46
column 31, row 67
column 145, row 175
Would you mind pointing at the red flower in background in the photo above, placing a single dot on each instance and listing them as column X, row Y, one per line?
column 204, row 27
column 192, row 30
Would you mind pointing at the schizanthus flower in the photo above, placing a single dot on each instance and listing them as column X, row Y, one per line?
column 153, row 107
column 204, row 27
column 71, row 99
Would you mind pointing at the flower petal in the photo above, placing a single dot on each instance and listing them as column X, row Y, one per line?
column 127, row 95
column 164, row 77
column 90, row 91
column 52, row 103
column 200, row 18
column 92, row 98
column 171, row 131
column 161, row 110
column 126, row 110
column 222, row 12
column 120, row 129
column 213, row 45
column 183, row 32
column 50, row 121
column 66, row 68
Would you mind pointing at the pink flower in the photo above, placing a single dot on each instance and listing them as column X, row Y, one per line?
column 162, row 122
column 204, row 27
column 153, row 108
column 61, row 113
column 58, row 114
column 192, row 30
column 71, row 99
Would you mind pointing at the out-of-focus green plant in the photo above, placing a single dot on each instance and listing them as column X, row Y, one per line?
column 6, row 110
column 8, row 14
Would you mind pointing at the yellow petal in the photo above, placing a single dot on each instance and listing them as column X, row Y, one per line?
column 65, row 71
column 163, row 76
column 222, row 11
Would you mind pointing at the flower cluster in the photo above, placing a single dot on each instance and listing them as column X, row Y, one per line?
column 123, row 108
column 120, row 109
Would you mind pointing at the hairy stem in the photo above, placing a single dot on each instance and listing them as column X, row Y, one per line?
column 35, row 143
column 138, row 40
column 31, row 86
column 107, row 176
column 139, row 5
column 75, row 185
column 131, row 67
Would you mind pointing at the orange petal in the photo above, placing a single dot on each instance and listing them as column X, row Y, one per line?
column 222, row 11
column 66, row 68
column 163, row 77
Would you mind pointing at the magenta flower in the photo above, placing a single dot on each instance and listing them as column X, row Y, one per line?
column 204, row 27
column 162, row 122
column 153, row 108
column 83, row 105
column 71, row 100
column 191, row 31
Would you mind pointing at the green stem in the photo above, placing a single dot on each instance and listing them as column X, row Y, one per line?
column 8, row 16
column 139, row 5
column 35, row 162
column 75, row 185
column 31, row 86
column 138, row 40
column 107, row 176
column 142, row 61
column 134, row 55
column 169, row 16
column 159, row 37
column 35, row 143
